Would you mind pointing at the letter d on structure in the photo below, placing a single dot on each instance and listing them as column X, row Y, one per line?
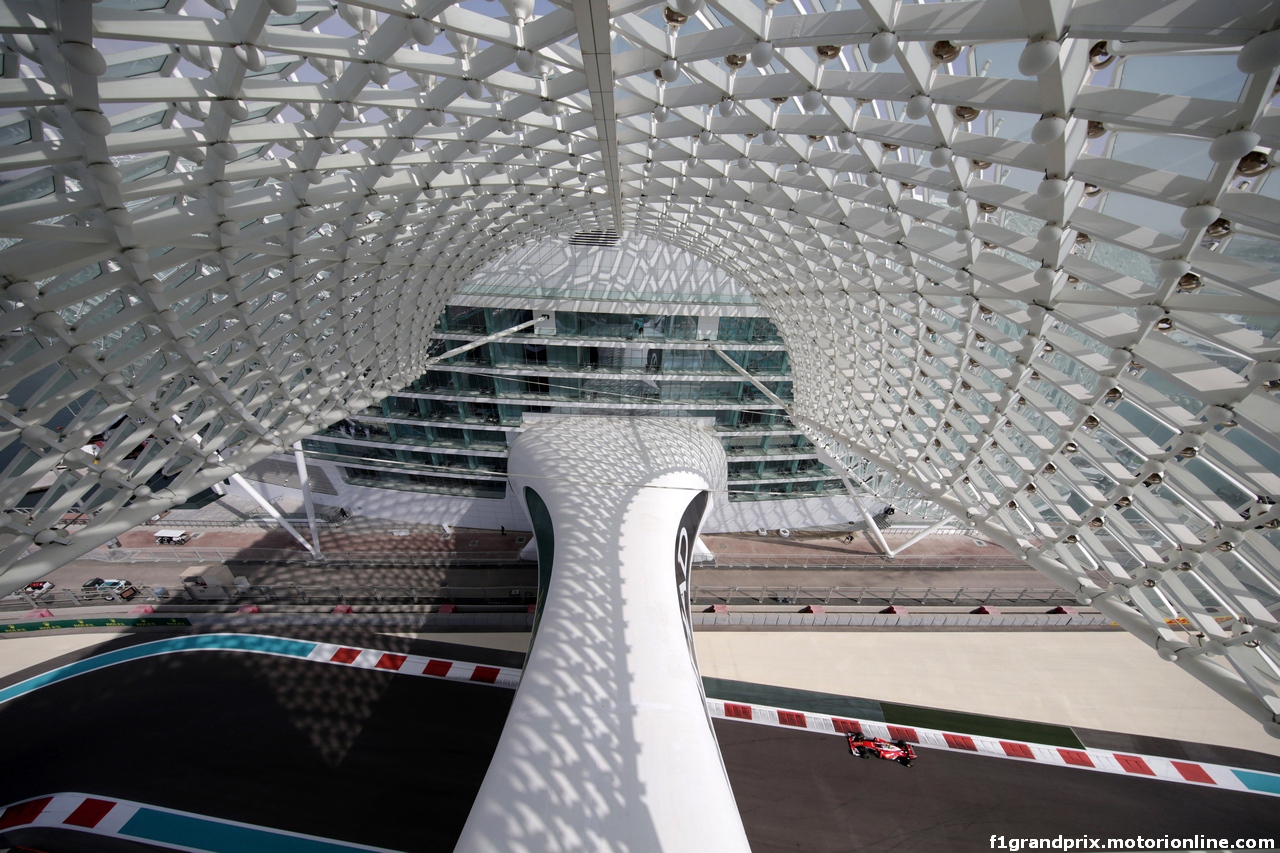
column 608, row 745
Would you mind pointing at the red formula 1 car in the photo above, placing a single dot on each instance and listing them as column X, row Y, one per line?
column 874, row 747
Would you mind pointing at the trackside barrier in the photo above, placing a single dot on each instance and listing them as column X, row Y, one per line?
column 973, row 596
column 195, row 553
column 200, row 554
column 431, row 593
column 893, row 617
column 395, row 663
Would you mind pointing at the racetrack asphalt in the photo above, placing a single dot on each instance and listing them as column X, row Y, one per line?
column 364, row 756
column 800, row 790
column 338, row 752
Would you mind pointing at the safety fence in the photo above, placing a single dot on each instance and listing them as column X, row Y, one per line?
column 857, row 561
column 263, row 522
column 415, row 557
column 407, row 557
column 848, row 596
column 439, row 594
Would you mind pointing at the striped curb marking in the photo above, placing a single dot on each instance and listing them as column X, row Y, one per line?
column 501, row 676
column 1106, row 761
column 174, row 829
column 279, row 647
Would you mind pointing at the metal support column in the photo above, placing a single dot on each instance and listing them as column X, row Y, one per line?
column 623, row 500
column 305, row 482
column 923, row 533
column 872, row 528
column 482, row 341
column 274, row 513
column 776, row 400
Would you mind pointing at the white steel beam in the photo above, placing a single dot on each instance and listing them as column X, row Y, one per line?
column 872, row 529
column 931, row 529
column 593, row 21
column 487, row 339
column 275, row 513
column 305, row 480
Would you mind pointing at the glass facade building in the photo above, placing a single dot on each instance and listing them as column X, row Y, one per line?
column 447, row 431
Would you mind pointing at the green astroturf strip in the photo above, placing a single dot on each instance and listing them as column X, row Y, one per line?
column 960, row 723
column 792, row 699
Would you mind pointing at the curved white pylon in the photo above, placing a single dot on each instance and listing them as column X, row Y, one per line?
column 608, row 745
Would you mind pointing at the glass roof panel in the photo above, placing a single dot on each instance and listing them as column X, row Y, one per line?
column 1212, row 76
column 1177, row 154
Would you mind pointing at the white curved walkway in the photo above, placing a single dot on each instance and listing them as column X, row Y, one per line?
column 608, row 745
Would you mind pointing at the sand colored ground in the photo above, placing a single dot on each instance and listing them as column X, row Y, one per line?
column 1097, row 680
column 21, row 651
column 1100, row 680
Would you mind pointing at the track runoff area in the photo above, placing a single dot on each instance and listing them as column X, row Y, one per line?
column 786, row 776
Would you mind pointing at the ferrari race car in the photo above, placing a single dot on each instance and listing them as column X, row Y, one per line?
column 874, row 747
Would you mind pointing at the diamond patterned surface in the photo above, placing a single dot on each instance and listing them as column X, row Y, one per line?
column 1024, row 254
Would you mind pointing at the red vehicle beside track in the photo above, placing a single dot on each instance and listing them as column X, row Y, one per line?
column 874, row 747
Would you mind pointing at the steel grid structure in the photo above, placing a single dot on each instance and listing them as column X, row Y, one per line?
column 1023, row 252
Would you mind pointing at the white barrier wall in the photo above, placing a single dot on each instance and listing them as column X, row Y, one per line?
column 608, row 745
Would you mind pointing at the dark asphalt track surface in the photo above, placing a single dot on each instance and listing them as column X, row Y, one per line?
column 340, row 752
column 803, row 791
column 395, row 761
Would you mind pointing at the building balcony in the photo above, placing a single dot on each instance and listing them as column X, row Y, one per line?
column 620, row 341
column 453, row 447
column 749, row 477
column 579, row 371
column 411, row 467
column 600, row 398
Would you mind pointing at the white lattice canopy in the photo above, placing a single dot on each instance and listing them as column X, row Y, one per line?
column 1024, row 254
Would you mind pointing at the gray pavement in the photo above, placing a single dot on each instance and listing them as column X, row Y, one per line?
column 364, row 535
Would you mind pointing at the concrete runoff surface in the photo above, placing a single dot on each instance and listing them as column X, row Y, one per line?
column 21, row 652
column 1105, row 680
column 364, row 756
column 1107, row 684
